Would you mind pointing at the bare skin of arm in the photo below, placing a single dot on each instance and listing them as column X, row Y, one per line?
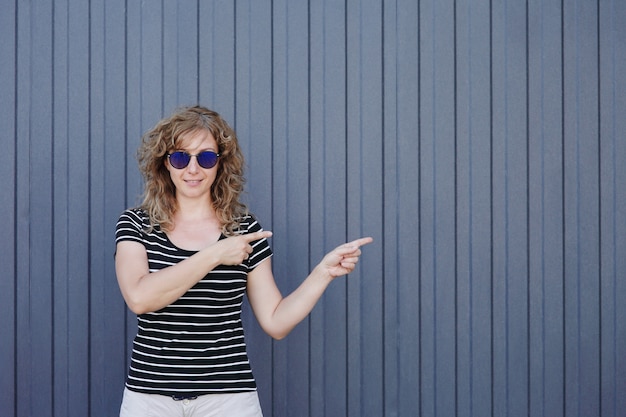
column 146, row 291
column 278, row 315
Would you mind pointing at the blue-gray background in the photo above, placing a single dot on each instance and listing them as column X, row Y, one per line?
column 482, row 143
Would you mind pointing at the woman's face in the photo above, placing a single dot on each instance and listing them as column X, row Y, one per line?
column 193, row 181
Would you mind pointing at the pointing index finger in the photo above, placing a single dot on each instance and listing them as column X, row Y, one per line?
column 357, row 243
column 251, row 237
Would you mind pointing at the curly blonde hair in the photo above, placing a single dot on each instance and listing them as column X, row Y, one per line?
column 159, row 197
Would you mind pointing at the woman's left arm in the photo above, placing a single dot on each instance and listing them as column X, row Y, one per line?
column 278, row 315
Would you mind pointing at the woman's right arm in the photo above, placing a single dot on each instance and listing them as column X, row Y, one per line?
column 146, row 291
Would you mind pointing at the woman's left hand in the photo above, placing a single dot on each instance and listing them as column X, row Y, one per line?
column 343, row 259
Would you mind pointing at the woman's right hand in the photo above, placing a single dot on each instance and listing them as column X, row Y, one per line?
column 236, row 249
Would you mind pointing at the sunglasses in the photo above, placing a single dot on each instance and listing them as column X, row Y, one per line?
column 180, row 159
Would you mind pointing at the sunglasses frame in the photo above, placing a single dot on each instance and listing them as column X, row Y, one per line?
column 169, row 156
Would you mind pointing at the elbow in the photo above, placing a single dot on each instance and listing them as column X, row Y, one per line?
column 138, row 309
column 138, row 305
column 275, row 327
column 278, row 336
column 277, row 333
column 142, row 301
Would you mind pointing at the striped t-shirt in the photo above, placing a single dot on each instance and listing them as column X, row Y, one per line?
column 195, row 345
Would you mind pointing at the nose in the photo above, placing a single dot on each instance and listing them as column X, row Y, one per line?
column 193, row 164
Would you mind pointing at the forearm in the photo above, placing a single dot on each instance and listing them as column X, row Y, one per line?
column 153, row 291
column 294, row 308
column 278, row 315
column 146, row 291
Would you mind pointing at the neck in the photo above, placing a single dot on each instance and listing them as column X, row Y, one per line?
column 194, row 209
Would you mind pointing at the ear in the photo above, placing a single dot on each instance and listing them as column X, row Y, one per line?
column 166, row 163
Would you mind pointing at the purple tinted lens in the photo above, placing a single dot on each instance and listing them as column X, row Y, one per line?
column 179, row 160
column 207, row 159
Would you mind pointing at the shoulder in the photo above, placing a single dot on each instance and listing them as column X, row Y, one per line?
column 133, row 224
column 249, row 224
column 136, row 216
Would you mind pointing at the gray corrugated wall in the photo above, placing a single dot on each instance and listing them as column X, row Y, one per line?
column 481, row 143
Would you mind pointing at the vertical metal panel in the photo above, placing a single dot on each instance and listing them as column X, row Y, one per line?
column 290, row 193
column 364, row 188
column 437, row 207
column 474, row 203
column 107, row 339
column 612, row 60
column 78, row 210
column 389, row 155
column 546, row 210
column 510, row 210
column 34, row 232
column 480, row 143
column 60, row 223
column 181, row 28
column 581, row 199
column 546, row 373
column 8, row 208
column 402, row 242
column 426, row 272
column 216, row 59
column 328, row 215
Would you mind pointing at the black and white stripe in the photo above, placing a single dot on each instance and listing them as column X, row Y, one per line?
column 196, row 345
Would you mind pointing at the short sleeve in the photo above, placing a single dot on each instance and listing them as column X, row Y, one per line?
column 260, row 248
column 129, row 226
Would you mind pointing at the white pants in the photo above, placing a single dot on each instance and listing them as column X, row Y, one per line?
column 244, row 404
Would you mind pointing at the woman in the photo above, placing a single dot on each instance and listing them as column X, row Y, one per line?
column 184, row 259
